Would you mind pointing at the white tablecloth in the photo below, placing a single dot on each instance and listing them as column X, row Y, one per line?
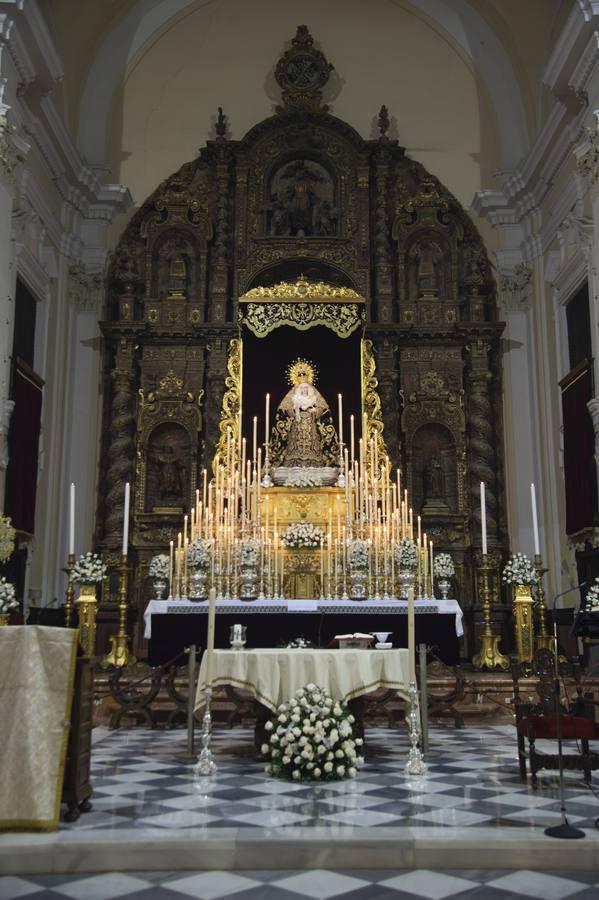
column 273, row 676
column 301, row 607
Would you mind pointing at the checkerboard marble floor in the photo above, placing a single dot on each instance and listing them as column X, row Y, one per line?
column 141, row 781
column 145, row 792
column 355, row 884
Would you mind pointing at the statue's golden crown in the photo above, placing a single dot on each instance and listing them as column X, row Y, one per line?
column 301, row 371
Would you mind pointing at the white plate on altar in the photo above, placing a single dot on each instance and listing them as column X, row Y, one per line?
column 383, row 645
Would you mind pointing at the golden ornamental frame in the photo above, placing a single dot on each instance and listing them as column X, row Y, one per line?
column 231, row 406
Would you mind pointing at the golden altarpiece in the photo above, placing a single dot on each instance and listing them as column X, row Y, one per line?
column 302, row 232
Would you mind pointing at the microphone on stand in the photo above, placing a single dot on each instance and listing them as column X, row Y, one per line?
column 564, row 829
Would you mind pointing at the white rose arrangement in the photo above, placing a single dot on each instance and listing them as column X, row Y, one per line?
column 248, row 553
column 89, row 569
column 591, row 603
column 8, row 599
column 7, row 537
column 443, row 566
column 406, row 555
column 160, row 567
column 312, row 738
column 519, row 570
column 358, row 552
column 302, row 534
column 198, row 554
column 302, row 481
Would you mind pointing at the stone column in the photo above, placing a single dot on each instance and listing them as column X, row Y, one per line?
column 11, row 153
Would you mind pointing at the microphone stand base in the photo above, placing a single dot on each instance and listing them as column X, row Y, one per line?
column 564, row 830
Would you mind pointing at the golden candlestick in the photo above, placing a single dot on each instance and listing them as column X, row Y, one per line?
column 70, row 592
column 544, row 639
column 489, row 655
column 86, row 612
column 119, row 654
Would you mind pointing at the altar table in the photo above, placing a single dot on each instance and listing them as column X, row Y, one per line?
column 273, row 676
column 171, row 625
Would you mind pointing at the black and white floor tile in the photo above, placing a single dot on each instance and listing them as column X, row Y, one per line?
column 145, row 787
column 140, row 779
column 355, row 884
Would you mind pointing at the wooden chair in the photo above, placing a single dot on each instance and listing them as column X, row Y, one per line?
column 535, row 715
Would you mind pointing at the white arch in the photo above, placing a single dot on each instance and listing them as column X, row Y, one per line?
column 465, row 25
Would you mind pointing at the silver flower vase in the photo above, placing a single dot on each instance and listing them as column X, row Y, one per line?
column 406, row 580
column 444, row 586
column 248, row 583
column 198, row 589
column 159, row 587
column 357, row 584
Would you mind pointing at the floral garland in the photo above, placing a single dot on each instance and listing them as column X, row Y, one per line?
column 358, row 554
column 406, row 555
column 248, row 552
column 302, row 534
column 160, row 567
column 199, row 553
column 312, row 738
column 591, row 602
column 89, row 568
column 302, row 481
column 443, row 566
column 299, row 643
column 8, row 599
column 519, row 570
column 7, row 537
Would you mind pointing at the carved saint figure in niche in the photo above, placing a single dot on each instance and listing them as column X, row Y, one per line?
column 427, row 256
column 303, row 434
column 170, row 470
column 177, row 278
column 433, row 479
column 302, row 201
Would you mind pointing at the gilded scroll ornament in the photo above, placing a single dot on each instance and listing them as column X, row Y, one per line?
column 371, row 402
column 229, row 416
column 262, row 318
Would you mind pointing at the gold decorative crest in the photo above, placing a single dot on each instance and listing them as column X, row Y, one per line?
column 304, row 291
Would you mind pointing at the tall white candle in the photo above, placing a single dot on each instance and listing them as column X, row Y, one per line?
column 126, row 519
column 210, row 637
column 483, row 516
column 255, row 440
column 535, row 521
column 72, row 520
column 170, row 569
column 340, row 400
column 266, row 419
column 351, row 438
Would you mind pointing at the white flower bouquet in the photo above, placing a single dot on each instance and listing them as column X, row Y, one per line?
column 248, row 553
column 519, row 570
column 302, row 534
column 89, row 569
column 312, row 738
column 406, row 555
column 299, row 643
column 160, row 567
column 7, row 537
column 358, row 552
column 302, row 481
column 198, row 554
column 591, row 603
column 443, row 566
column 8, row 599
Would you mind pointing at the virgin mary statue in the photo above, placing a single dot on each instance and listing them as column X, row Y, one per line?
column 303, row 434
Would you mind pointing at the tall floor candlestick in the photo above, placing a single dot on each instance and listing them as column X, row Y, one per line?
column 119, row 654
column 205, row 764
column 489, row 655
column 483, row 517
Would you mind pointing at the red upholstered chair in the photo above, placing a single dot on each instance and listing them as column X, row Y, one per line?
column 535, row 715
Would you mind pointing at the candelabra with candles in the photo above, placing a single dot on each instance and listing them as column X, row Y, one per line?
column 119, row 654
column 544, row 640
column 489, row 655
